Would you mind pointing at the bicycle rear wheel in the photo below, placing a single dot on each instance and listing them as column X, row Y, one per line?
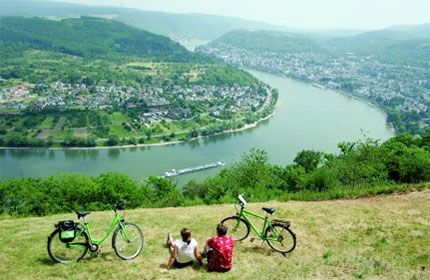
column 127, row 244
column 280, row 238
column 236, row 227
column 67, row 252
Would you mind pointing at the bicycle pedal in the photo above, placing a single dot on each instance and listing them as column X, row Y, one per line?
column 252, row 239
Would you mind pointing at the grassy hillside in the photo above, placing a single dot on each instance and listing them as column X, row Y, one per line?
column 384, row 237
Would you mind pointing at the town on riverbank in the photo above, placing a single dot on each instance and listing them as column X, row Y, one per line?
column 401, row 91
column 70, row 115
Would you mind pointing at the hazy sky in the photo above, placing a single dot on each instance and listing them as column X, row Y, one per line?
column 321, row 14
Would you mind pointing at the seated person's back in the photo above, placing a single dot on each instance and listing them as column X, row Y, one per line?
column 185, row 250
column 220, row 250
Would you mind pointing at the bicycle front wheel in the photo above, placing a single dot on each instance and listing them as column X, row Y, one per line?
column 67, row 252
column 127, row 242
column 280, row 238
column 236, row 227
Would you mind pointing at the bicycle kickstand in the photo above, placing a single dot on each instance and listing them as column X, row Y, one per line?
column 97, row 253
column 253, row 239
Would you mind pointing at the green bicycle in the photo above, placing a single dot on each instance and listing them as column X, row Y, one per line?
column 276, row 233
column 69, row 242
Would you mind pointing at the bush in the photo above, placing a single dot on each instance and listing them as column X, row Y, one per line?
column 322, row 179
column 113, row 140
column 67, row 193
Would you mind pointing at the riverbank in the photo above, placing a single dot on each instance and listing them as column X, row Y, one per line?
column 348, row 94
column 245, row 127
column 368, row 102
column 267, row 105
column 361, row 99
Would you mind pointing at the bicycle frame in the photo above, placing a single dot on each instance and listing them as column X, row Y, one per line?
column 116, row 220
column 267, row 223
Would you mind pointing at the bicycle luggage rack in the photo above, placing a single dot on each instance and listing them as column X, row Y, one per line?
column 286, row 223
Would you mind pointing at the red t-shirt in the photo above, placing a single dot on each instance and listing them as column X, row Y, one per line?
column 221, row 256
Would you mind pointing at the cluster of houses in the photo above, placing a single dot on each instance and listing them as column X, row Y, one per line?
column 157, row 103
column 360, row 75
column 16, row 97
column 215, row 99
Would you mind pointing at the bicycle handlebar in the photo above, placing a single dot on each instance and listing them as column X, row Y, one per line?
column 118, row 205
column 242, row 200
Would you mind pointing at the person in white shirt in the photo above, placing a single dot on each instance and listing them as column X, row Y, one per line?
column 183, row 252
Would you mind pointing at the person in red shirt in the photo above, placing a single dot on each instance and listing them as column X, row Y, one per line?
column 219, row 250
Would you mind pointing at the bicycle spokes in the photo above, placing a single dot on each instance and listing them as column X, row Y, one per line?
column 127, row 241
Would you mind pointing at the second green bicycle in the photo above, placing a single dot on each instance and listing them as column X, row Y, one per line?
column 69, row 242
column 276, row 233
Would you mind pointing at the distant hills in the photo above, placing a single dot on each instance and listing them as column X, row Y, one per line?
column 398, row 44
column 90, row 37
column 381, row 39
column 187, row 25
column 267, row 40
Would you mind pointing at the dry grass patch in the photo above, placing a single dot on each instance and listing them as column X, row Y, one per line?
column 80, row 132
column 60, row 123
column 385, row 237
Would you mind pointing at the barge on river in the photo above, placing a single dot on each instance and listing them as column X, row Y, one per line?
column 175, row 172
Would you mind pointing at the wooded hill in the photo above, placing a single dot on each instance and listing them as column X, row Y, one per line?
column 268, row 41
column 90, row 37
column 193, row 25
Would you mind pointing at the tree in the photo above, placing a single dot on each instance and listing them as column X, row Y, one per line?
column 253, row 170
column 294, row 176
column 309, row 159
column 113, row 140
column 132, row 140
column 148, row 134
column 165, row 191
column 194, row 133
column 425, row 141
column 346, row 147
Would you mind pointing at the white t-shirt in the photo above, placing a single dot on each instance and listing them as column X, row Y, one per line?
column 185, row 251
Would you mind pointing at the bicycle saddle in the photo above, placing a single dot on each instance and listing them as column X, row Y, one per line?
column 269, row 210
column 82, row 213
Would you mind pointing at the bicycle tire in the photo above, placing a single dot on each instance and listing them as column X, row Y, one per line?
column 238, row 228
column 119, row 244
column 61, row 253
column 285, row 233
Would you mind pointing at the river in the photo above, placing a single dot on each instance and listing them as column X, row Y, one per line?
column 306, row 118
